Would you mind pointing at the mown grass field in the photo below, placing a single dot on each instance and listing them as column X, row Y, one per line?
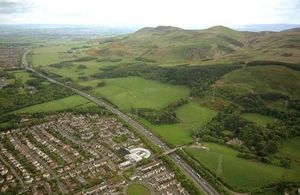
column 138, row 92
column 138, row 189
column 56, row 105
column 258, row 118
column 261, row 79
column 192, row 116
column 241, row 173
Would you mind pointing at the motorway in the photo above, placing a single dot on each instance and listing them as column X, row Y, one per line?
column 201, row 183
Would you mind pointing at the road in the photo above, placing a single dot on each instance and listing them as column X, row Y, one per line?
column 33, row 155
column 202, row 184
column 13, row 171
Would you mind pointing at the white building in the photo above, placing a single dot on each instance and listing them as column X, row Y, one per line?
column 138, row 154
column 135, row 155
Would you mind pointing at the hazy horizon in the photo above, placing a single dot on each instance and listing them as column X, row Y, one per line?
column 137, row 13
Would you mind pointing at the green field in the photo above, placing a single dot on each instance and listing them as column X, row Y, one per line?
column 138, row 189
column 74, row 71
column 138, row 92
column 275, row 104
column 56, row 105
column 22, row 75
column 53, row 53
column 192, row 116
column 258, row 118
column 260, row 79
column 291, row 148
column 241, row 173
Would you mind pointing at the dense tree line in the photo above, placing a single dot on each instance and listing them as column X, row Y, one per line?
column 198, row 78
column 13, row 121
column 70, row 62
column 166, row 115
column 36, row 82
column 63, row 64
column 16, row 95
column 53, row 75
column 267, row 63
column 255, row 103
column 5, row 74
column 260, row 141
column 143, row 59
column 294, row 104
column 109, row 60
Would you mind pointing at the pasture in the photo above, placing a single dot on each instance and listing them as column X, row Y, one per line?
column 75, row 70
column 192, row 116
column 54, row 53
column 258, row 118
column 138, row 92
column 57, row 105
column 260, row 79
column 291, row 148
column 241, row 173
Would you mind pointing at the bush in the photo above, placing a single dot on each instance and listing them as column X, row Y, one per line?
column 166, row 115
column 101, row 84
column 82, row 66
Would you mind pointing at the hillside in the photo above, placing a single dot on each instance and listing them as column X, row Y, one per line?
column 261, row 80
column 171, row 45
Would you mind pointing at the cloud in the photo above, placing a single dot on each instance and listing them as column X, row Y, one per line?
column 182, row 13
column 12, row 7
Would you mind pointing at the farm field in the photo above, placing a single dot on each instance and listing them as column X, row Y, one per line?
column 260, row 79
column 258, row 118
column 54, row 53
column 192, row 116
column 56, row 105
column 241, row 173
column 138, row 189
column 138, row 92
column 75, row 70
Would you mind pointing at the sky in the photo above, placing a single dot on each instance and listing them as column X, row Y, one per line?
column 181, row 13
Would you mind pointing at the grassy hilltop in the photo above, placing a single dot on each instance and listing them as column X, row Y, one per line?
column 168, row 45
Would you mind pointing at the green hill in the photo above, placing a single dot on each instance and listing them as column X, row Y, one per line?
column 167, row 45
column 260, row 79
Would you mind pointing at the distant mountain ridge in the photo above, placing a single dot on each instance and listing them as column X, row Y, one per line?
column 168, row 45
column 267, row 27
